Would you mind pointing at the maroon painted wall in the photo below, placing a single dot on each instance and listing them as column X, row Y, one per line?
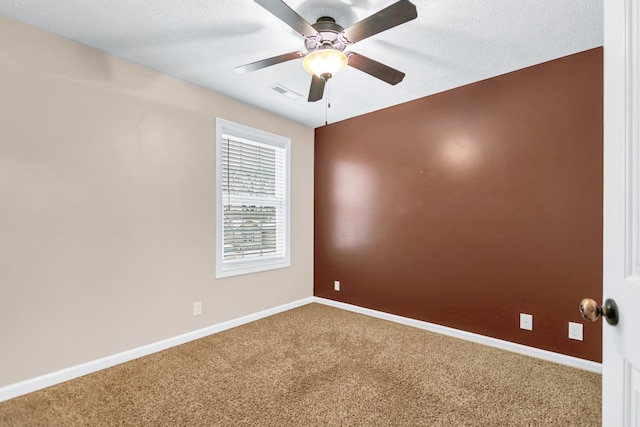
column 471, row 206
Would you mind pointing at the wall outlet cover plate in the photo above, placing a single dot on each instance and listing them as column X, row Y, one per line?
column 575, row 331
column 526, row 321
column 197, row 308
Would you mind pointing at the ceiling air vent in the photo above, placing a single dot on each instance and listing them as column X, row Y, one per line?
column 286, row 92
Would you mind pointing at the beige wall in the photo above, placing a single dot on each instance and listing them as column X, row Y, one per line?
column 107, row 220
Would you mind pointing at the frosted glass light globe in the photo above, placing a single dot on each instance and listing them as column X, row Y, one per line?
column 324, row 63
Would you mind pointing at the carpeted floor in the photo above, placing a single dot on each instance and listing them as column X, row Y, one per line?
column 320, row 366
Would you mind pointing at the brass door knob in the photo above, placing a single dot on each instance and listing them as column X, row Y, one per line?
column 590, row 310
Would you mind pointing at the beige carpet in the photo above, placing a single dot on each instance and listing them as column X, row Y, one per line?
column 320, row 366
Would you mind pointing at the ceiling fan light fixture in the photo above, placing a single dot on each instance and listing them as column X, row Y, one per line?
column 324, row 63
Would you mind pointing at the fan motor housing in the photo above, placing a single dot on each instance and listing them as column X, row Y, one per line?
column 328, row 35
column 327, row 24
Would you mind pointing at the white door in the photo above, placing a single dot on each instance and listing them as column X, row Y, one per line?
column 621, row 343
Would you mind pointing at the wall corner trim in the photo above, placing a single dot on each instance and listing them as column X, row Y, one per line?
column 37, row 383
column 561, row 359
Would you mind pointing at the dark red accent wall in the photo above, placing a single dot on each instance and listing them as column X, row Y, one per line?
column 471, row 206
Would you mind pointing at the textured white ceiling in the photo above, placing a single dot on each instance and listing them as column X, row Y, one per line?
column 450, row 44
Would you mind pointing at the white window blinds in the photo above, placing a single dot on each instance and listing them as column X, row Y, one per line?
column 253, row 197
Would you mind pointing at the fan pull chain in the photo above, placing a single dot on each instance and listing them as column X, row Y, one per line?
column 327, row 103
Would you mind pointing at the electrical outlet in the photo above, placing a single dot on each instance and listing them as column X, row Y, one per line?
column 575, row 331
column 197, row 308
column 336, row 285
column 526, row 321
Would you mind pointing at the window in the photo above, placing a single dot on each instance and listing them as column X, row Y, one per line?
column 252, row 193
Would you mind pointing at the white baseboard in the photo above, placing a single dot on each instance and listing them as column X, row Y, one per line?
column 562, row 359
column 18, row 389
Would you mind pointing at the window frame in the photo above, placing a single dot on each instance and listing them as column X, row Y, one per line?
column 252, row 265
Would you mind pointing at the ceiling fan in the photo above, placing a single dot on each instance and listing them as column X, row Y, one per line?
column 326, row 41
